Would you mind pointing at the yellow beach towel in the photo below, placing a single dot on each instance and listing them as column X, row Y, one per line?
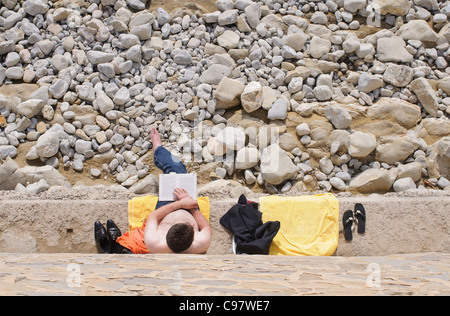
column 139, row 208
column 309, row 224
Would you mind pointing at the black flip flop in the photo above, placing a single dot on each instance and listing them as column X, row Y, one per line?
column 360, row 214
column 347, row 221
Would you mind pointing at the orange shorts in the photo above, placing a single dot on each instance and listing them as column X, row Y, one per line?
column 134, row 240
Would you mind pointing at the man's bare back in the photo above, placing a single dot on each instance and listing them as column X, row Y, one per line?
column 176, row 217
column 183, row 211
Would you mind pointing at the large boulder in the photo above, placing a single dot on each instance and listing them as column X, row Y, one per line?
column 228, row 39
column 368, row 82
column 396, row 110
column 361, row 144
column 147, row 185
column 8, row 151
column 48, row 173
column 373, row 181
column 319, row 47
column 438, row 162
column 444, row 84
column 404, row 184
column 10, row 175
column 395, row 149
column 104, row 102
column 393, row 49
column 215, row 73
column 426, row 95
column 398, row 75
column 35, row 7
column 215, row 148
column 354, row 5
column 435, row 127
column 411, row 170
column 98, row 57
column 394, row 7
column 246, row 158
column 276, row 166
column 30, row 108
column 418, row 30
column 228, row 93
column 338, row 116
column 48, row 144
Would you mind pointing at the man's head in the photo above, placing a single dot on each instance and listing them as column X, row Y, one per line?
column 180, row 237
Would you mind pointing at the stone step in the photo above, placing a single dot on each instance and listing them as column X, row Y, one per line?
column 396, row 223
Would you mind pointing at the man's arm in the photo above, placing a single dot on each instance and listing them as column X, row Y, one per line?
column 202, row 240
column 200, row 219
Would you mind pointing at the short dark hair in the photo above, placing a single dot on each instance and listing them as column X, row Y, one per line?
column 180, row 237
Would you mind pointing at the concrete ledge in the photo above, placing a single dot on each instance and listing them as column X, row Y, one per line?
column 395, row 224
column 206, row 275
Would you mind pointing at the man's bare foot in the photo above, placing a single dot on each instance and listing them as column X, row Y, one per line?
column 156, row 139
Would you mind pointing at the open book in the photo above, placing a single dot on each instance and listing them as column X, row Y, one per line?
column 168, row 182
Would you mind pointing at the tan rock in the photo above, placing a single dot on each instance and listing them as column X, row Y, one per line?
column 288, row 142
column 412, row 170
column 444, row 85
column 228, row 93
column 426, row 95
column 438, row 162
column 374, row 180
column 437, row 127
column 228, row 40
column 418, row 30
column 276, row 166
column 10, row 175
column 296, row 40
column 30, row 108
column 269, row 97
column 395, row 149
column 251, row 97
column 381, row 128
column 237, row 53
column 394, row 7
column 361, row 144
column 398, row 75
column 396, row 110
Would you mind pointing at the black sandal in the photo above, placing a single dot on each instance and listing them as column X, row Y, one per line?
column 360, row 214
column 347, row 221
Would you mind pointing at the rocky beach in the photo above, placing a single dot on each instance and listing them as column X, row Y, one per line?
column 270, row 96
column 285, row 97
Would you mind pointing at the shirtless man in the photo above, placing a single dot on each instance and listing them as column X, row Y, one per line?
column 174, row 227
column 178, row 226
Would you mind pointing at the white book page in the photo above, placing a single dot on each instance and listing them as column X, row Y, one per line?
column 168, row 182
column 189, row 183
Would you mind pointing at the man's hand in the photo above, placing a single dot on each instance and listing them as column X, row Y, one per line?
column 180, row 193
column 185, row 199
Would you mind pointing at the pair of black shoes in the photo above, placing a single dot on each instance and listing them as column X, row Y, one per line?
column 105, row 238
column 349, row 217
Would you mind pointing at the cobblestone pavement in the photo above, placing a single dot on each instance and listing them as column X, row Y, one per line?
column 202, row 275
